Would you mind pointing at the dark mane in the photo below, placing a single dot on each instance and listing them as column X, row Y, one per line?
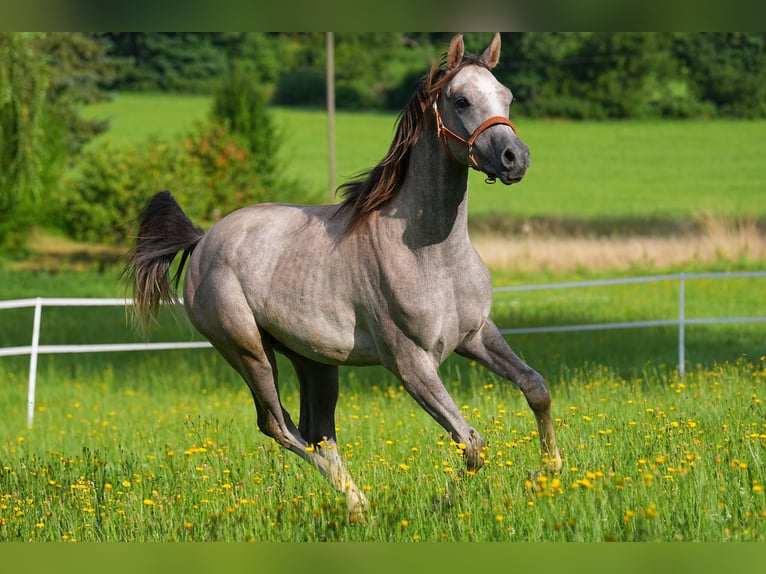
column 372, row 189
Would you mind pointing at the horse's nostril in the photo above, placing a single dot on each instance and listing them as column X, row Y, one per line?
column 509, row 158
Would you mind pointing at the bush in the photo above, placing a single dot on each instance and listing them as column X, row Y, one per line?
column 226, row 177
column 352, row 96
column 241, row 105
column 561, row 107
column 209, row 173
column 301, row 87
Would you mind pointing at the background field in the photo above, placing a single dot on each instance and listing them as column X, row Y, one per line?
column 164, row 446
column 613, row 170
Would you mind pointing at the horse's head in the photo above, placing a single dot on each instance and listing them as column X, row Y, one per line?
column 471, row 112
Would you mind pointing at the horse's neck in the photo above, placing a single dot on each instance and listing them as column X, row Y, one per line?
column 432, row 202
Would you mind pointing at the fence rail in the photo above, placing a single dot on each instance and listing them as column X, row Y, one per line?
column 35, row 349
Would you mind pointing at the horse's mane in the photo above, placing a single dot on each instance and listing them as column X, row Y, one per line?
column 372, row 189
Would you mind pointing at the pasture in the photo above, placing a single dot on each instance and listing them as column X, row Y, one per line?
column 167, row 449
column 164, row 446
column 644, row 171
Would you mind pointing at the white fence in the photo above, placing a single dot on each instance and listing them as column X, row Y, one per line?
column 35, row 349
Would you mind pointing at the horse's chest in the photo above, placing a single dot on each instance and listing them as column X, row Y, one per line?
column 438, row 310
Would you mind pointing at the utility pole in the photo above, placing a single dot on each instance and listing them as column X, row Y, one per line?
column 331, row 114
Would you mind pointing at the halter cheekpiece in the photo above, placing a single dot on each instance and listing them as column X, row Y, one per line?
column 443, row 132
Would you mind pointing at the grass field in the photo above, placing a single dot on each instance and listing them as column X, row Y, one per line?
column 167, row 449
column 164, row 445
column 579, row 170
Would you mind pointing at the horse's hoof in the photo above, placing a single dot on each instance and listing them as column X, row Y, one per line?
column 553, row 464
column 357, row 507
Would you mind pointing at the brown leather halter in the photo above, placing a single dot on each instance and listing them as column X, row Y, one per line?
column 443, row 132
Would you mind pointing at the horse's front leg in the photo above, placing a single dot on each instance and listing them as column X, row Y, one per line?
column 419, row 376
column 489, row 348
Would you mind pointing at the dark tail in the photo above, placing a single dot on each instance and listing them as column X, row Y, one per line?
column 163, row 232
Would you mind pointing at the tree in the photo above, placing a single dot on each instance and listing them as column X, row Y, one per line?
column 78, row 68
column 173, row 61
column 727, row 69
column 241, row 105
column 44, row 79
column 27, row 154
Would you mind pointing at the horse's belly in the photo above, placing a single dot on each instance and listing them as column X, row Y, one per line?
column 318, row 333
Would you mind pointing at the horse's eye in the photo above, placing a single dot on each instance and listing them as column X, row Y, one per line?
column 461, row 103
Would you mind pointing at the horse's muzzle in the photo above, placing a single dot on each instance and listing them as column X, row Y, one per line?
column 514, row 160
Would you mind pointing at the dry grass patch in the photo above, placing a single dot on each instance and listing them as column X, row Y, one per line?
column 713, row 241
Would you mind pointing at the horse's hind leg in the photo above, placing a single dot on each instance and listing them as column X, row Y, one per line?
column 319, row 395
column 257, row 366
column 489, row 348
column 319, row 388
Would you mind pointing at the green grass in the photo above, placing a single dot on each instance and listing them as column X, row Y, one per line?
column 164, row 445
column 171, row 452
column 580, row 170
column 133, row 118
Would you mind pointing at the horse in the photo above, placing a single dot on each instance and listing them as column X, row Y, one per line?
column 387, row 276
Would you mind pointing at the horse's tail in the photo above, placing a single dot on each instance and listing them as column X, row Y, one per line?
column 164, row 231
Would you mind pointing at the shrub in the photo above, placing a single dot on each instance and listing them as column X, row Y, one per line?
column 227, row 177
column 209, row 172
column 241, row 105
column 103, row 203
column 561, row 107
column 301, row 87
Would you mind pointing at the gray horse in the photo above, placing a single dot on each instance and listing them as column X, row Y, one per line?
column 387, row 277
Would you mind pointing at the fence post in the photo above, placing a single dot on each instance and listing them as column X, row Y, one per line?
column 681, row 326
column 33, row 362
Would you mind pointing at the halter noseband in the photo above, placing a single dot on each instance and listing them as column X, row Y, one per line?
column 443, row 132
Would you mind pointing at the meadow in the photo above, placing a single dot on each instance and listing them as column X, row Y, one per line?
column 581, row 170
column 163, row 446
column 167, row 450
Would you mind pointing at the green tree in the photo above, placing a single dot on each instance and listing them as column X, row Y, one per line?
column 727, row 69
column 44, row 81
column 79, row 67
column 600, row 75
column 241, row 105
column 173, row 61
column 27, row 152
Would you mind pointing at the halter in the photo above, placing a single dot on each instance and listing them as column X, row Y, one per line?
column 443, row 132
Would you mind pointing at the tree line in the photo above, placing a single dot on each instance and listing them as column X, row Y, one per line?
column 595, row 75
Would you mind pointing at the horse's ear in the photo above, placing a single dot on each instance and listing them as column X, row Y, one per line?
column 491, row 55
column 455, row 54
